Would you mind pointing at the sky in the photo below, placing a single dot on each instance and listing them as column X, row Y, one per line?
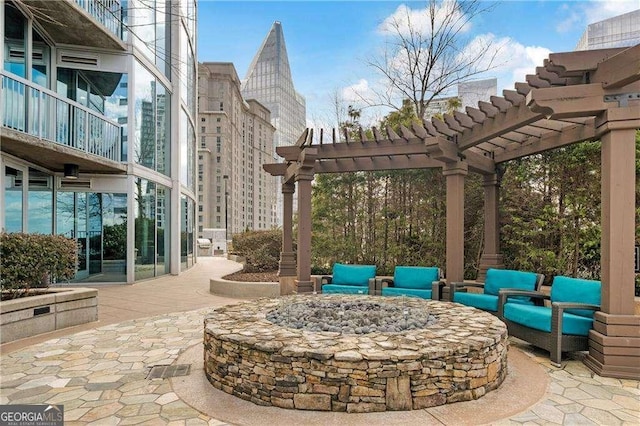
column 330, row 42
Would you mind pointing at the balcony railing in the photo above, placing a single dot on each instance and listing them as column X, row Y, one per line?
column 108, row 12
column 32, row 109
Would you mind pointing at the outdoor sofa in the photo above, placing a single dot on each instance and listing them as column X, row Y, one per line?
column 496, row 280
column 349, row 279
column 413, row 281
column 562, row 325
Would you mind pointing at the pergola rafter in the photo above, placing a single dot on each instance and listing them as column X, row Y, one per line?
column 573, row 97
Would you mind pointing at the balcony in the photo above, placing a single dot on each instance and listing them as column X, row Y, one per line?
column 42, row 127
column 91, row 23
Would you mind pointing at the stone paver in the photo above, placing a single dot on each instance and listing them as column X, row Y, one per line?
column 99, row 374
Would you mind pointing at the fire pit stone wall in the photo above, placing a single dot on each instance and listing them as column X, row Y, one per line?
column 460, row 357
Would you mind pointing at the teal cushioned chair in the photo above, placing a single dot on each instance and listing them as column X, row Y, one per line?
column 496, row 280
column 415, row 281
column 350, row 279
column 561, row 327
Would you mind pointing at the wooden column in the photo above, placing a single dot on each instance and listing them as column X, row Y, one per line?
column 304, row 176
column 304, row 283
column 491, row 256
column 614, row 343
column 287, row 265
column 455, row 175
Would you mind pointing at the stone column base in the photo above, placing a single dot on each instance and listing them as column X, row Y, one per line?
column 614, row 346
column 304, row 286
column 287, row 286
column 489, row 261
column 287, row 267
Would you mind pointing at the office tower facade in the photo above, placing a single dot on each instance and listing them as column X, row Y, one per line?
column 619, row 31
column 469, row 94
column 270, row 82
column 236, row 138
column 98, row 131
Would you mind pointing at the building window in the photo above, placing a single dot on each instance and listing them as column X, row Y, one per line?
column 203, row 119
column 218, row 129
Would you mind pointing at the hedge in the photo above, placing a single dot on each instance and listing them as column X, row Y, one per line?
column 260, row 248
column 35, row 260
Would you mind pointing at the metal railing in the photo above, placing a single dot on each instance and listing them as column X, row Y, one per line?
column 108, row 12
column 39, row 112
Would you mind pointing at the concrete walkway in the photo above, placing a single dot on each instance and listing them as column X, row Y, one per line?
column 99, row 372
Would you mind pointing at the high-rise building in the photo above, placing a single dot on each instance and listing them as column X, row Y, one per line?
column 269, row 81
column 98, row 133
column 236, row 138
column 473, row 91
column 469, row 94
column 619, row 31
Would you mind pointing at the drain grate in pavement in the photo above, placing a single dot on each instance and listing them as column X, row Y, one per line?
column 167, row 371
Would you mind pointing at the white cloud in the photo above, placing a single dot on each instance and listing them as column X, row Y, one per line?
column 515, row 61
column 405, row 21
column 358, row 92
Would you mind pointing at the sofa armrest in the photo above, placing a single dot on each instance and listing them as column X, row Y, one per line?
column 558, row 308
column 562, row 306
column 436, row 289
column 459, row 286
column 373, row 286
column 505, row 293
column 386, row 282
column 317, row 284
column 326, row 279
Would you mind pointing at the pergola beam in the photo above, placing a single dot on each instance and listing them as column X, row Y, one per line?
column 554, row 140
column 619, row 70
column 503, row 122
column 376, row 164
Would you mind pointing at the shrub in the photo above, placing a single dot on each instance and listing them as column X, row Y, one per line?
column 260, row 248
column 35, row 260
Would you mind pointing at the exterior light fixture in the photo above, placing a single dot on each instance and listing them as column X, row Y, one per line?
column 71, row 171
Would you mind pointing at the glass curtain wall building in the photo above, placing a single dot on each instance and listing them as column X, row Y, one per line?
column 98, row 131
column 619, row 31
column 269, row 81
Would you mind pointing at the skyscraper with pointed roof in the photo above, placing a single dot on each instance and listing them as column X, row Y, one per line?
column 269, row 81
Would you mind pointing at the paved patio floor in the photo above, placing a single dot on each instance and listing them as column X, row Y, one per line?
column 99, row 372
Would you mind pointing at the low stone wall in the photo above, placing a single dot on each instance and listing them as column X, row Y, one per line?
column 59, row 308
column 461, row 357
column 243, row 289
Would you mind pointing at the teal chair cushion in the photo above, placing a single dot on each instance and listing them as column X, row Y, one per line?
column 344, row 289
column 486, row 302
column 395, row 291
column 539, row 318
column 417, row 277
column 576, row 290
column 358, row 275
column 506, row 278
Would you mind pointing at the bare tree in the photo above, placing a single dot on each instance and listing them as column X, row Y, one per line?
column 428, row 53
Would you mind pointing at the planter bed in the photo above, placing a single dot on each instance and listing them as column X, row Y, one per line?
column 243, row 289
column 58, row 308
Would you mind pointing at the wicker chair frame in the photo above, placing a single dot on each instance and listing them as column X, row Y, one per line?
column 555, row 341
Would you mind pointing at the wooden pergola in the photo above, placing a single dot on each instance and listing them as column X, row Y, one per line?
column 573, row 97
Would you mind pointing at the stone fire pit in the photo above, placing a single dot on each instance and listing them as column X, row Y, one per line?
column 456, row 354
